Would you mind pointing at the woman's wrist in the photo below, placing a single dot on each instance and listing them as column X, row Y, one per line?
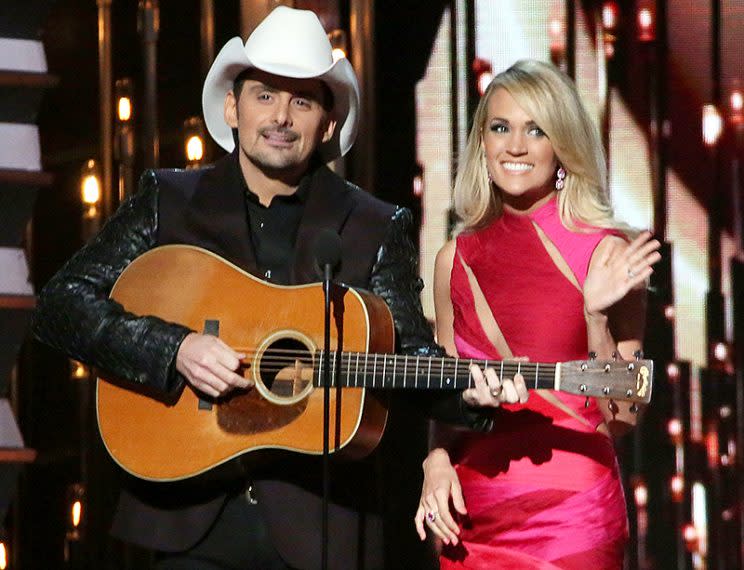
column 436, row 455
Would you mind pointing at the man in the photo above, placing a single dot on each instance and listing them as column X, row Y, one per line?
column 281, row 107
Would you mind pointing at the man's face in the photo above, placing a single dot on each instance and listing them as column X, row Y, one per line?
column 281, row 121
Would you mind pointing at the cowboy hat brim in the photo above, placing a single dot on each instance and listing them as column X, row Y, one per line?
column 233, row 59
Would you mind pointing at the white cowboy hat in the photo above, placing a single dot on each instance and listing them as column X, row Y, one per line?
column 290, row 43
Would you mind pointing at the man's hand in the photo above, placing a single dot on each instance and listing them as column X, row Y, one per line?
column 209, row 365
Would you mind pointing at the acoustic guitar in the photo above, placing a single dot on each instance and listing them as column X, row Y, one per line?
column 280, row 329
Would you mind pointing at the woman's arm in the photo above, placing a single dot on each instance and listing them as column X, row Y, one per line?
column 615, row 310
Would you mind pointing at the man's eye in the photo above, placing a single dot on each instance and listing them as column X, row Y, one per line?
column 264, row 96
column 300, row 102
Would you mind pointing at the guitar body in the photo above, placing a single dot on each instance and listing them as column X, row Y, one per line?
column 163, row 439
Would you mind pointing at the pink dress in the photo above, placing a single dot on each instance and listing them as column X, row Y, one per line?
column 543, row 489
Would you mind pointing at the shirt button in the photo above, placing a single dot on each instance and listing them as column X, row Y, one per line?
column 260, row 225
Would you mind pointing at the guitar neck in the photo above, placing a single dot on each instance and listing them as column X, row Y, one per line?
column 396, row 371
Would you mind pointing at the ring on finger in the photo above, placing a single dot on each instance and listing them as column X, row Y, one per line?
column 496, row 391
column 631, row 273
column 431, row 516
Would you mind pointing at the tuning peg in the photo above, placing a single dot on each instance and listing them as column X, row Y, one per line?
column 638, row 354
column 613, row 407
column 634, row 408
column 586, row 402
column 592, row 355
column 614, row 355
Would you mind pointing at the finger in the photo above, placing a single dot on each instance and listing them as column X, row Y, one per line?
column 446, row 521
column 208, row 382
column 509, row 392
column 522, row 392
column 480, row 393
column 418, row 521
column 231, row 378
column 458, row 501
column 494, row 382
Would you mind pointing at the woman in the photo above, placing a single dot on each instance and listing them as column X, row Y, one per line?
column 540, row 270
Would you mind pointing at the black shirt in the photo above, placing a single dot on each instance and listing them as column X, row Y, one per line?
column 273, row 231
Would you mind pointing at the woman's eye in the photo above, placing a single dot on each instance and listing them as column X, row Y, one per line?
column 536, row 132
column 499, row 128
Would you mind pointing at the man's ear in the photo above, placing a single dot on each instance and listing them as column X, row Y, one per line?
column 231, row 110
column 329, row 130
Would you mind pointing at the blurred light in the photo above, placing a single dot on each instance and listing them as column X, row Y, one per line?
column 690, row 534
column 724, row 412
column 737, row 101
column 674, row 428
column 640, row 494
column 483, row 73
column 609, row 16
column 78, row 370
column 124, row 109
column 669, row 312
column 646, row 31
column 736, row 105
column 712, row 448
column 123, row 94
column 712, row 125
column 338, row 44
column 720, row 351
column 673, row 372
column 557, row 41
column 727, row 515
column 418, row 180
column 677, row 487
column 76, row 513
column 3, row 556
column 194, row 148
column 194, row 141
column 90, row 189
column 699, row 509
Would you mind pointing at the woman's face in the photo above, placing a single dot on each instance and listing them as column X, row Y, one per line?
column 519, row 155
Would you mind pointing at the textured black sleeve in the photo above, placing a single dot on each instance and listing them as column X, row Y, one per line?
column 395, row 278
column 76, row 316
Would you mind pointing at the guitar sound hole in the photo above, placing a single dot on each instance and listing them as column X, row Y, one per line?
column 286, row 367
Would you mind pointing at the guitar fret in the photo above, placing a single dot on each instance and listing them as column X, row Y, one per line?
column 428, row 376
column 320, row 369
column 417, row 370
column 501, row 373
column 395, row 364
column 356, row 371
column 470, row 379
column 456, row 361
column 366, row 358
column 333, row 368
column 537, row 374
column 441, row 374
column 384, row 366
column 374, row 372
column 405, row 369
column 348, row 367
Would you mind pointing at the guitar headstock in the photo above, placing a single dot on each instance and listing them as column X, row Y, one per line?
column 629, row 381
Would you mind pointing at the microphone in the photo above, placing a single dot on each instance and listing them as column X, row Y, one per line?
column 327, row 251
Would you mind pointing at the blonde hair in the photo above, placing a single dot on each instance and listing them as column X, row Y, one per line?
column 550, row 98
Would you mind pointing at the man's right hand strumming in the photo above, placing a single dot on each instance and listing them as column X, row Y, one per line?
column 209, row 365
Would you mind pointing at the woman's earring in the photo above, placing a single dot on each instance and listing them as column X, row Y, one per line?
column 560, row 180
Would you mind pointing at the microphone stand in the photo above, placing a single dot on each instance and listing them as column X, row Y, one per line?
column 326, row 379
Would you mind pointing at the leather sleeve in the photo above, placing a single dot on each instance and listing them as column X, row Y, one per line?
column 76, row 316
column 395, row 278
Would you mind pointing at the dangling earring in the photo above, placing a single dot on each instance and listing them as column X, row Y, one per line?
column 560, row 180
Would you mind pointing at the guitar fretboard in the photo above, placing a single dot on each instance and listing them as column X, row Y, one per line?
column 396, row 371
